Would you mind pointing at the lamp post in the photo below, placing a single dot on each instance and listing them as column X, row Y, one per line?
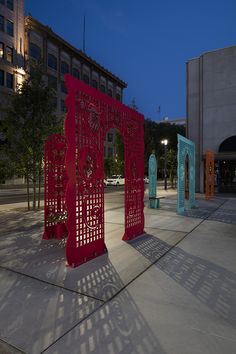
column 165, row 143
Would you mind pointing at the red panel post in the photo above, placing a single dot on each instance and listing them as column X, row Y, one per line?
column 54, row 187
column 90, row 115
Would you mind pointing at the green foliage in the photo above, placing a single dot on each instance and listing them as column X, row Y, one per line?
column 109, row 166
column 27, row 123
column 115, row 165
column 172, row 165
column 153, row 134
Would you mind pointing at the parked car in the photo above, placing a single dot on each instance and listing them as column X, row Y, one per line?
column 115, row 180
column 105, row 182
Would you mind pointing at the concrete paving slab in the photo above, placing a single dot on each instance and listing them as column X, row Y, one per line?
column 173, row 222
column 34, row 314
column 215, row 241
column 159, row 299
column 5, row 348
column 45, row 260
column 154, row 314
column 118, row 327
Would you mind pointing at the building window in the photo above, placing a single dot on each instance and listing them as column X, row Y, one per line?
column 10, row 81
column 10, row 4
column 9, row 53
column 86, row 78
column 64, row 67
column 52, row 82
column 76, row 73
column 52, row 61
column 35, row 51
column 95, row 83
column 63, row 106
column 10, row 28
column 1, row 23
column 102, row 88
column 118, row 97
column 1, row 78
column 109, row 92
column 63, row 87
column 1, row 50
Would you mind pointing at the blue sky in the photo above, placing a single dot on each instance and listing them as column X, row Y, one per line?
column 145, row 43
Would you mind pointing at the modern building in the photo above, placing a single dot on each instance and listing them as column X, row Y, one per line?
column 24, row 39
column 211, row 114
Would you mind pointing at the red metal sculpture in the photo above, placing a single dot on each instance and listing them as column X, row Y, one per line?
column 90, row 115
column 54, row 187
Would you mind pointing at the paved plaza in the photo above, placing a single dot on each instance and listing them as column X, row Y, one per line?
column 169, row 291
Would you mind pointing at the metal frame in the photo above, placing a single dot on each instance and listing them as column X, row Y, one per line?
column 90, row 115
column 185, row 147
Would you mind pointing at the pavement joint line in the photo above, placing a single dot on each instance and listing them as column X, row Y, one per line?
column 12, row 346
column 158, row 228
column 75, row 325
column 213, row 334
column 52, row 284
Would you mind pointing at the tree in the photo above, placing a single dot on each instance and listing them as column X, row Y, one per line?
column 27, row 123
column 154, row 133
column 172, row 165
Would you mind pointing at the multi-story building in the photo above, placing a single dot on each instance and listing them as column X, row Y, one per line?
column 11, row 47
column 24, row 39
column 211, row 114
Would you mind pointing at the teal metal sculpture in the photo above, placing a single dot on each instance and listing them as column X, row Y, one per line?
column 152, row 186
column 186, row 148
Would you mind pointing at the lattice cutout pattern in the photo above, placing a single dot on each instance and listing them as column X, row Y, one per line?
column 209, row 174
column 55, row 181
column 152, row 175
column 185, row 147
column 90, row 115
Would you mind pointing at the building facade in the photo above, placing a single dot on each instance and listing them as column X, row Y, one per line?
column 11, row 47
column 211, row 114
column 25, row 40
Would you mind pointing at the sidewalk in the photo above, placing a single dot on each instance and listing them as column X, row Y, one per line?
column 170, row 291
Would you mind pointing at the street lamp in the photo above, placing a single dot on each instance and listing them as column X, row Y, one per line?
column 165, row 143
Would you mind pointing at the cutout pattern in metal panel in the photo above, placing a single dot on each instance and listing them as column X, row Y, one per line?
column 185, row 148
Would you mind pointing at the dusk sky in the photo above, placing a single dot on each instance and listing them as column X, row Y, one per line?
column 145, row 43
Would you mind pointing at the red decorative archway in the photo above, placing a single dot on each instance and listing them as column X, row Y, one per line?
column 90, row 115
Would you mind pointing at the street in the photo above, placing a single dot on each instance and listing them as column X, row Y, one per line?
column 19, row 195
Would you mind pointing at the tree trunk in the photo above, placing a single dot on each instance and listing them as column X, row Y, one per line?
column 39, row 188
column 28, row 193
column 34, row 184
